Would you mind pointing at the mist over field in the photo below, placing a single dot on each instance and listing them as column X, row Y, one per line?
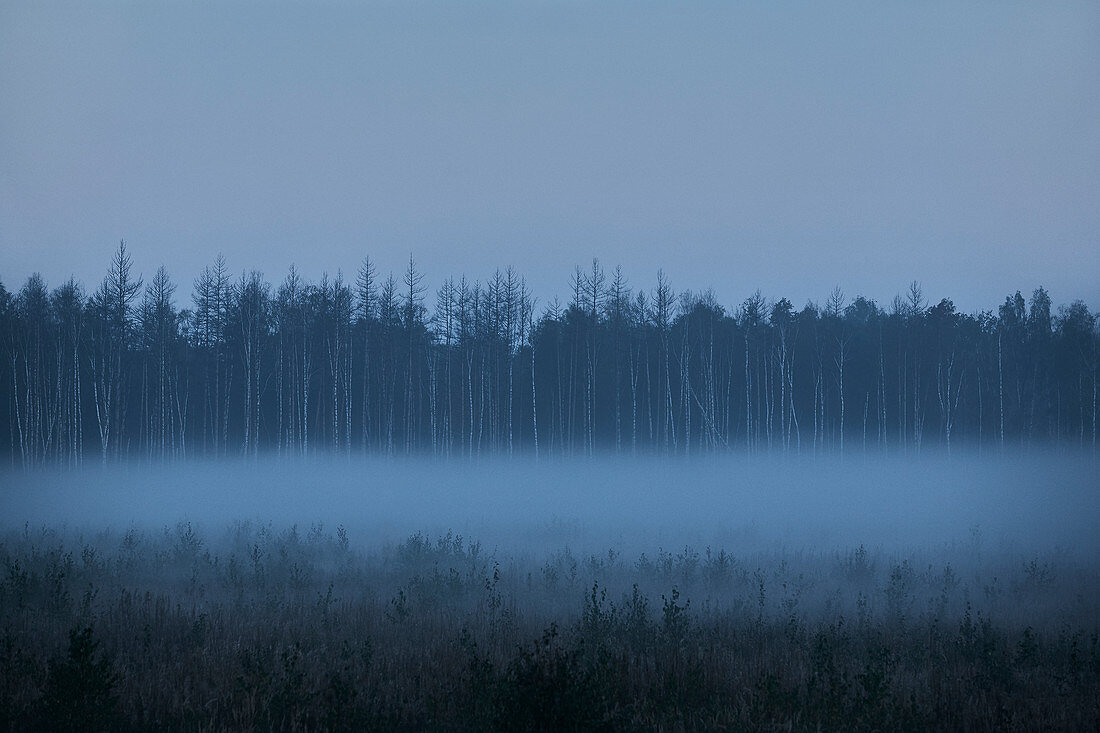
column 1036, row 502
column 849, row 592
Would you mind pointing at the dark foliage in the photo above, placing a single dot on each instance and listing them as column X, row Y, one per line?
column 364, row 366
column 269, row 630
column 79, row 692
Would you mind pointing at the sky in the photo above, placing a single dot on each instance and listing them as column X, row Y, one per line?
column 785, row 147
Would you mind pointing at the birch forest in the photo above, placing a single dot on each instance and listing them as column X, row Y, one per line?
column 237, row 365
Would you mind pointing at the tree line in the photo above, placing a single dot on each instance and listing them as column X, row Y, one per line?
column 363, row 365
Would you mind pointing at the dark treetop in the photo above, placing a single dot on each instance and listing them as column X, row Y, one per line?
column 365, row 366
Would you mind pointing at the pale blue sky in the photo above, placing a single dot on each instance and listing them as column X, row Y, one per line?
column 786, row 147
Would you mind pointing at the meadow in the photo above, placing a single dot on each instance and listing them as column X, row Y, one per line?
column 800, row 622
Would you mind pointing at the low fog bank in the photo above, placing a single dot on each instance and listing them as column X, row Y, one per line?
column 1023, row 504
column 864, row 595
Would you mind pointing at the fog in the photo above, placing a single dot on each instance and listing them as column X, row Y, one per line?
column 846, row 589
column 1036, row 503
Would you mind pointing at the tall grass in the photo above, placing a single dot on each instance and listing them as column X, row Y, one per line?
column 255, row 627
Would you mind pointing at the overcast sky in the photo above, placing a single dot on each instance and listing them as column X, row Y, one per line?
column 790, row 148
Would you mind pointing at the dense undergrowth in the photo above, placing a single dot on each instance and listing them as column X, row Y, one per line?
column 287, row 630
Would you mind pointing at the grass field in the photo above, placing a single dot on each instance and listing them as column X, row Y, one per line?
column 254, row 626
